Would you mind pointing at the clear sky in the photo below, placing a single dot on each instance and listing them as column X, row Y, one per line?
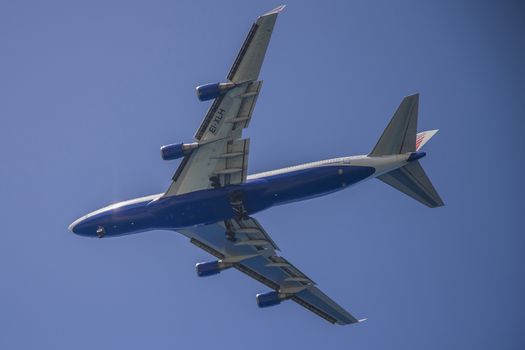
column 90, row 90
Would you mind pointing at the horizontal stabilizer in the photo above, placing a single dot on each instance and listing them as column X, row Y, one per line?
column 412, row 181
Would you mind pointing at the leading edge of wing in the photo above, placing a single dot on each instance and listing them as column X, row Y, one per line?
column 230, row 112
column 265, row 266
column 308, row 296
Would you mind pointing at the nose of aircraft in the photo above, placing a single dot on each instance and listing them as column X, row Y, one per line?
column 89, row 226
column 81, row 226
column 74, row 226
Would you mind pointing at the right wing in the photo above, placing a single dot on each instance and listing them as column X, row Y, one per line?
column 254, row 253
column 221, row 157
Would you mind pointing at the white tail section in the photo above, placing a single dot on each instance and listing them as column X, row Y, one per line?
column 400, row 137
column 423, row 137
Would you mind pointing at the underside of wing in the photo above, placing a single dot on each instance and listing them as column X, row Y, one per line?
column 220, row 155
column 249, row 60
column 246, row 246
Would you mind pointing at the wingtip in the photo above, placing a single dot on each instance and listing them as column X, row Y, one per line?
column 415, row 95
column 347, row 322
column 276, row 10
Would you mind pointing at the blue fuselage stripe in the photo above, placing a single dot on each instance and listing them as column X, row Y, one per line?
column 213, row 205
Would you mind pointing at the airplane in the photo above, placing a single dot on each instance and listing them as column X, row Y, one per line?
column 212, row 199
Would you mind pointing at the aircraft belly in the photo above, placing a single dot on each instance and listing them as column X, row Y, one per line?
column 314, row 182
column 208, row 206
column 214, row 205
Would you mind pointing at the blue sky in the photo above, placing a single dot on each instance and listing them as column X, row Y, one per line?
column 91, row 90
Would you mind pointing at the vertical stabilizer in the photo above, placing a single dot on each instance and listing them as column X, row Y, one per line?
column 400, row 134
column 423, row 137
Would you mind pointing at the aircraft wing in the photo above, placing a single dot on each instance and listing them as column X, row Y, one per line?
column 254, row 253
column 222, row 154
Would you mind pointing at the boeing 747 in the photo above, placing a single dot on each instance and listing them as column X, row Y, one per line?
column 212, row 199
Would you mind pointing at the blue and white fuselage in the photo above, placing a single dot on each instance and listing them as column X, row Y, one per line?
column 260, row 192
column 211, row 198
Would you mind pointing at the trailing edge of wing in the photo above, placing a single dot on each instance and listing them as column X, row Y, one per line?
column 307, row 295
column 225, row 162
column 319, row 303
column 260, row 261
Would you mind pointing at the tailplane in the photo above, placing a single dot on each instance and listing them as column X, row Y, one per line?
column 400, row 137
column 412, row 181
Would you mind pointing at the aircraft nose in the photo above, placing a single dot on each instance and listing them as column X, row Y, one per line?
column 71, row 228
column 88, row 226
column 75, row 225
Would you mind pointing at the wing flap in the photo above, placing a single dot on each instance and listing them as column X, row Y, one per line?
column 228, row 115
column 250, row 229
column 249, row 97
column 240, row 147
column 255, row 254
column 224, row 123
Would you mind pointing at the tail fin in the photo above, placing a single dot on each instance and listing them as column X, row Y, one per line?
column 400, row 137
column 423, row 137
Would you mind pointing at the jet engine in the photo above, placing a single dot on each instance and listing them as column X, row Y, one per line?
column 177, row 150
column 269, row 299
column 210, row 91
column 211, row 268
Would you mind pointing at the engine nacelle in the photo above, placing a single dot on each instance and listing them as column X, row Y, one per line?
column 269, row 299
column 210, row 91
column 177, row 150
column 211, row 268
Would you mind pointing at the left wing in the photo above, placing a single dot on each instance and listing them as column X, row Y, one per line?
column 221, row 154
column 254, row 253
